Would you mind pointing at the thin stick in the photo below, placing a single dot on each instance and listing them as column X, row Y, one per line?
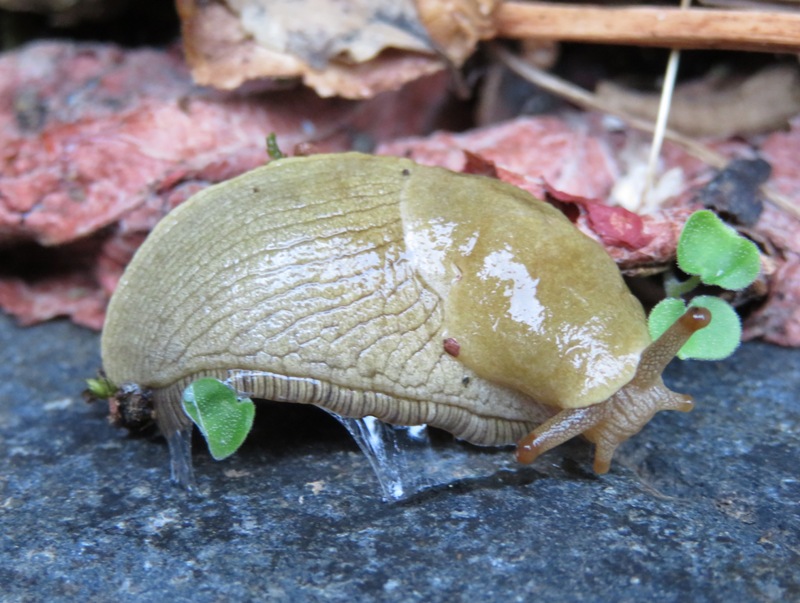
column 661, row 119
column 663, row 114
column 664, row 27
column 587, row 100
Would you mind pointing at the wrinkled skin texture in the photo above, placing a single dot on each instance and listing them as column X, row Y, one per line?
column 336, row 279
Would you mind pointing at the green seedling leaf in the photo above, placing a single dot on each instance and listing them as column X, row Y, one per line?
column 716, row 341
column 721, row 337
column 717, row 253
column 101, row 388
column 273, row 150
column 665, row 312
column 223, row 418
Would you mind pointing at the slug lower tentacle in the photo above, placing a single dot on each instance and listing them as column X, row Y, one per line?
column 610, row 423
column 373, row 286
column 558, row 429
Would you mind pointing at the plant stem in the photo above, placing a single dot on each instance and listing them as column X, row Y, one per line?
column 676, row 288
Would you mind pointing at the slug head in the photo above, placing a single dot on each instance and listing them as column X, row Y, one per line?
column 613, row 421
column 534, row 305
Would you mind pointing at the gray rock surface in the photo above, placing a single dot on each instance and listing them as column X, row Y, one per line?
column 698, row 507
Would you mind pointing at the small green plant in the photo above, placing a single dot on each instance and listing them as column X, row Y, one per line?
column 273, row 150
column 101, row 388
column 714, row 254
column 223, row 418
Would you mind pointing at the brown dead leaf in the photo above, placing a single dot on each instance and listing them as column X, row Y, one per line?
column 457, row 26
column 389, row 71
column 337, row 47
column 717, row 105
column 320, row 31
column 221, row 53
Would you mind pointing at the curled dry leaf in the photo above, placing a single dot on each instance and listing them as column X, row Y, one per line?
column 719, row 106
column 320, row 31
column 456, row 26
column 349, row 49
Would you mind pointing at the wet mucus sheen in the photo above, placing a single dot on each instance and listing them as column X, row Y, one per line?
column 376, row 286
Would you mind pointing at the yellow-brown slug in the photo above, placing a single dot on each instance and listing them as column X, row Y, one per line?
column 375, row 286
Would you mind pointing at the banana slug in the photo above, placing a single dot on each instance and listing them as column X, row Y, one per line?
column 375, row 286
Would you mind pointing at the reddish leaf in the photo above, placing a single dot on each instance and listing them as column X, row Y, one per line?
column 479, row 165
column 569, row 205
column 617, row 226
column 614, row 225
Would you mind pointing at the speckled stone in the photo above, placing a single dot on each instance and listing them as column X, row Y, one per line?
column 699, row 507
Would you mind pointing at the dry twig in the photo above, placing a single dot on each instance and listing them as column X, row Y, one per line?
column 667, row 27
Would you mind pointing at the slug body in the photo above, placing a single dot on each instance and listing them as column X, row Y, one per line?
column 376, row 286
